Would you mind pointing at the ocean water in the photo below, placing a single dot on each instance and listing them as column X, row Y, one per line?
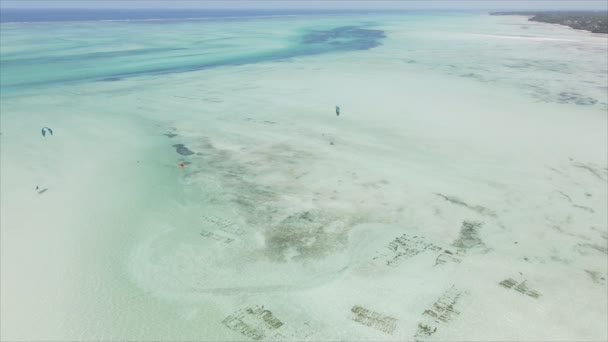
column 198, row 184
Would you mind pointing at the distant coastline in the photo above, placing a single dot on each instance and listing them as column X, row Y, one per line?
column 596, row 22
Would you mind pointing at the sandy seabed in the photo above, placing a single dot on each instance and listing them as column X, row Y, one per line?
column 460, row 195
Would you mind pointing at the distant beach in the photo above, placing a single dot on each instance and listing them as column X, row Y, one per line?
column 592, row 21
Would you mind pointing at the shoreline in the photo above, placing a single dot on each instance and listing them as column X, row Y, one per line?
column 528, row 17
column 588, row 21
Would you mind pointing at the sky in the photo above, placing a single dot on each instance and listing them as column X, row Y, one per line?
column 317, row 4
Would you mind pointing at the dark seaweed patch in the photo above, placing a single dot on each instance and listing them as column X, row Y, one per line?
column 520, row 287
column 603, row 233
column 576, row 98
column 565, row 232
column 231, row 179
column 594, row 170
column 373, row 319
column 596, row 277
column 253, row 322
column 111, row 79
column 584, row 208
column 183, row 150
column 584, row 247
column 477, row 208
column 304, row 235
column 215, row 236
column 539, row 65
column 508, row 283
column 441, row 312
column 474, row 76
column 447, row 257
column 405, row 247
column 223, row 225
column 346, row 37
column 468, row 237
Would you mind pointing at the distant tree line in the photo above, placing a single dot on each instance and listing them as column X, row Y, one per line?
column 596, row 22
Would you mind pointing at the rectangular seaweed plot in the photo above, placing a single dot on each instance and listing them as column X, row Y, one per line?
column 373, row 319
column 254, row 322
column 447, row 257
column 469, row 235
column 441, row 312
column 519, row 287
column 405, row 247
column 223, row 225
column 216, row 236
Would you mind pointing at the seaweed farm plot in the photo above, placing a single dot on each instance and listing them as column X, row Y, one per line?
column 220, row 229
column 405, row 247
column 373, row 319
column 520, row 287
column 255, row 322
column 223, row 225
column 440, row 313
column 447, row 257
column 216, row 236
column 469, row 235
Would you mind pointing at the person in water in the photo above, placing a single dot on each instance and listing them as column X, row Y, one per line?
column 46, row 130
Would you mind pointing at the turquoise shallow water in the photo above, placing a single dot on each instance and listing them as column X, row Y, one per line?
column 66, row 52
column 467, row 169
column 49, row 54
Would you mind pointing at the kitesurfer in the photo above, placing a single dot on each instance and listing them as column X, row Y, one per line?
column 45, row 130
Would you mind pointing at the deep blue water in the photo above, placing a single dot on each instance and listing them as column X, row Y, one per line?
column 58, row 15
column 345, row 38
